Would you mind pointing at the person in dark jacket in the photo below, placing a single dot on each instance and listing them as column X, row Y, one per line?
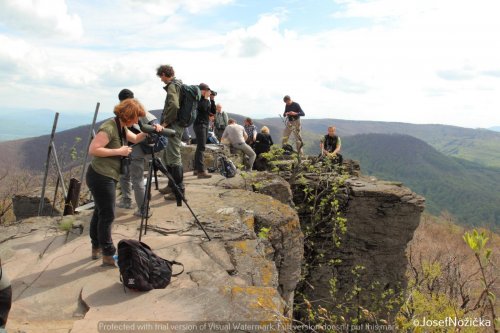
column 330, row 145
column 292, row 115
column 263, row 142
column 206, row 107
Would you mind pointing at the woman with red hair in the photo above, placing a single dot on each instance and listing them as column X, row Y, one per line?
column 108, row 149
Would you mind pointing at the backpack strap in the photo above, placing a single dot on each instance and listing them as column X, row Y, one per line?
column 173, row 262
column 121, row 132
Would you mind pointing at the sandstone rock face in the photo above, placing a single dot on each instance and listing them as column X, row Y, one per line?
column 381, row 218
column 237, row 276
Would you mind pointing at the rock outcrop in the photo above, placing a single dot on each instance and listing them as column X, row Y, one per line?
column 237, row 276
column 381, row 219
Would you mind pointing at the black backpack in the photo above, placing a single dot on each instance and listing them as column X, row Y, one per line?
column 288, row 149
column 189, row 97
column 141, row 269
column 228, row 169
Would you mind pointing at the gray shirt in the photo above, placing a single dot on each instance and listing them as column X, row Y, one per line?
column 234, row 133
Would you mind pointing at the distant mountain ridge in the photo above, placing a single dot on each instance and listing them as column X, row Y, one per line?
column 429, row 164
column 477, row 145
column 30, row 153
column 37, row 122
column 466, row 189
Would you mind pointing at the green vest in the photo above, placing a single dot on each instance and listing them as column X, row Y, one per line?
column 109, row 166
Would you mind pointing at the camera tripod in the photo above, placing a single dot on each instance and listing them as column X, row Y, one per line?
column 156, row 164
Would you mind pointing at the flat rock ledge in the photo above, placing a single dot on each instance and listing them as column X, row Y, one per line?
column 236, row 277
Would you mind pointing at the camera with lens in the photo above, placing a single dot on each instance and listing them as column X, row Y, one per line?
column 151, row 139
column 213, row 93
column 124, row 165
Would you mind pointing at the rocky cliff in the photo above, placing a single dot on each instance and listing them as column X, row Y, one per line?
column 238, row 276
column 380, row 216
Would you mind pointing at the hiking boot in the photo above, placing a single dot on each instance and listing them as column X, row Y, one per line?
column 165, row 190
column 170, row 196
column 178, row 176
column 139, row 214
column 195, row 172
column 108, row 261
column 96, row 253
column 124, row 204
column 203, row 174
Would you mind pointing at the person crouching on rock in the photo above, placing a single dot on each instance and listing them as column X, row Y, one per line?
column 109, row 150
column 330, row 145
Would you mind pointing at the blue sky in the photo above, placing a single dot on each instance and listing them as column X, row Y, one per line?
column 416, row 61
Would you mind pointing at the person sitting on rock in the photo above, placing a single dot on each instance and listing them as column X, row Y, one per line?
column 330, row 145
column 263, row 141
column 251, row 131
column 235, row 134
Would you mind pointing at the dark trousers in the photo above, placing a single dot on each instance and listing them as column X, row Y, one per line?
column 5, row 304
column 218, row 132
column 103, row 190
column 201, row 132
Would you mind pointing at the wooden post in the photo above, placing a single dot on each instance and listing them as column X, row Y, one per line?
column 89, row 139
column 47, row 164
column 71, row 201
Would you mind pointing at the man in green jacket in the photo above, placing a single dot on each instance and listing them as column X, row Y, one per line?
column 171, row 156
column 221, row 121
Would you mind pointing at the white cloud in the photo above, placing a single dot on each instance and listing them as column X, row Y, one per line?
column 170, row 7
column 252, row 41
column 19, row 59
column 41, row 17
column 430, row 62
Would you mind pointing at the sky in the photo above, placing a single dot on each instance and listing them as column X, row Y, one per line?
column 414, row 61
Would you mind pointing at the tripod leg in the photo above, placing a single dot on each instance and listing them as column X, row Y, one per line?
column 155, row 173
column 145, row 202
column 178, row 191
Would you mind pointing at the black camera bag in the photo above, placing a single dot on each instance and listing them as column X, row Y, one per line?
column 141, row 269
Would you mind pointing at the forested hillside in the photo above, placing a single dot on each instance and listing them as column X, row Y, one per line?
column 466, row 189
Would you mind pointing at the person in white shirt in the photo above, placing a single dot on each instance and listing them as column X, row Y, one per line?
column 235, row 134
